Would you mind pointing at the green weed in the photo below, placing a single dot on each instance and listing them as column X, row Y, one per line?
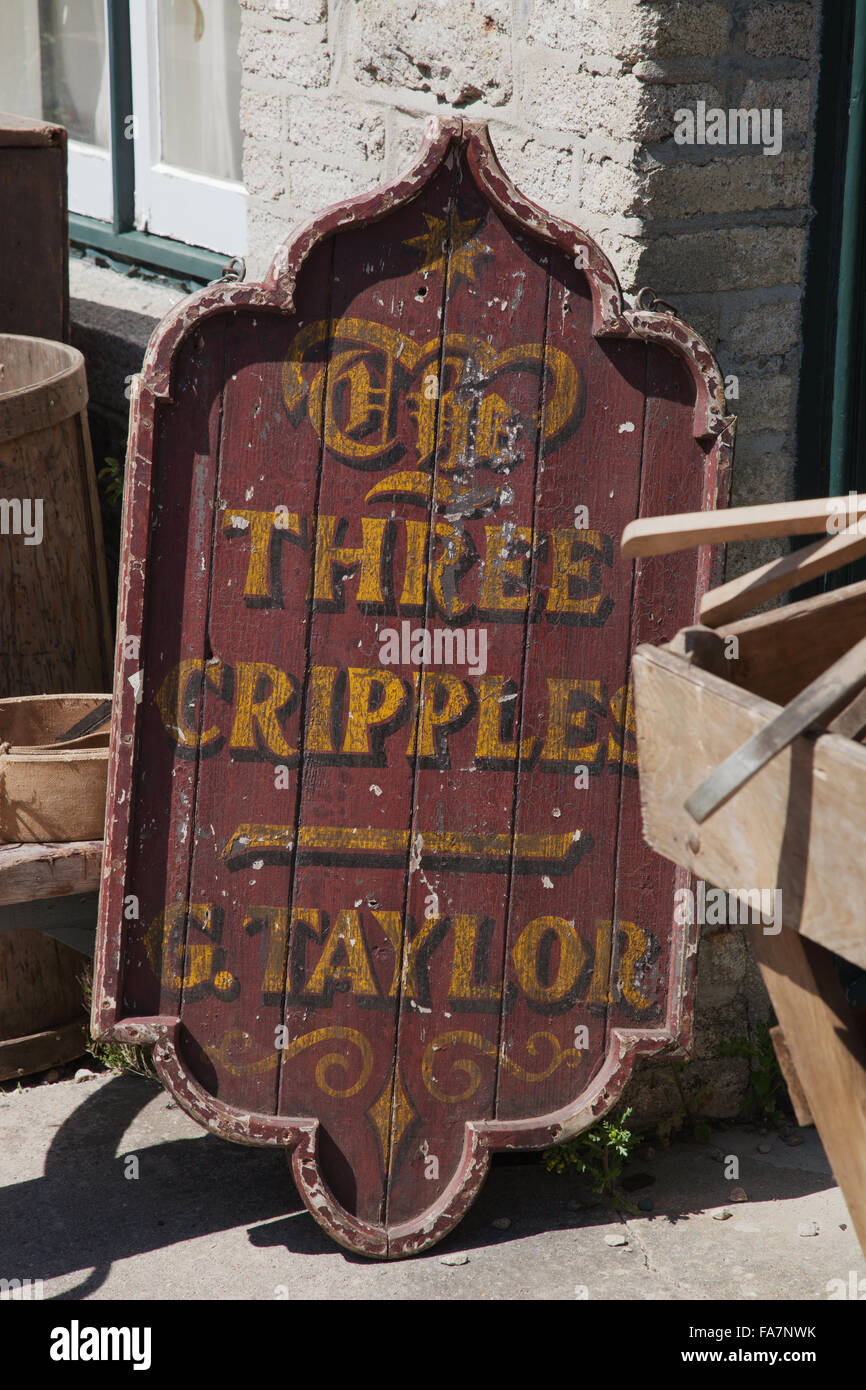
column 598, row 1155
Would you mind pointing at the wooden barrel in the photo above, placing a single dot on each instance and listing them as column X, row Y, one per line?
column 55, row 637
column 42, row 1018
column 55, row 633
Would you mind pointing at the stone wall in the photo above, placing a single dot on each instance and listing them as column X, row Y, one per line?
column 581, row 100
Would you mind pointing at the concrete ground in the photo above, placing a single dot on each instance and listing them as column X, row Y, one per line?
column 206, row 1219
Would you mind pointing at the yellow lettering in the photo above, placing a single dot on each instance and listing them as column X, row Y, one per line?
column 180, row 966
column 444, row 699
column 453, row 559
column 416, row 564
column 599, row 985
column 392, row 925
column 276, row 923
column 173, row 696
column 363, row 714
column 638, row 942
column 566, row 569
column 464, row 986
column 562, row 717
column 345, row 937
column 622, row 709
column 501, row 564
column 413, row 949
column 321, row 694
column 262, row 528
column 331, row 556
column 488, row 745
column 264, row 712
column 525, row 957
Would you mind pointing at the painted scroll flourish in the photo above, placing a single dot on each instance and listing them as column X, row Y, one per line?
column 228, row 1055
column 472, row 1071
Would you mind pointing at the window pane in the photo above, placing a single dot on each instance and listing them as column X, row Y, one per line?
column 20, row 69
column 200, row 86
column 75, row 89
column 53, row 65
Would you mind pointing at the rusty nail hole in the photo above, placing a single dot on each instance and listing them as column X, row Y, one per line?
column 694, row 842
column 421, row 292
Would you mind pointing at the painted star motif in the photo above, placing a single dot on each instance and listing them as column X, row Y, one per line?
column 465, row 246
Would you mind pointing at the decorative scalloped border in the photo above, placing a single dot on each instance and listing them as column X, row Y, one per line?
column 276, row 292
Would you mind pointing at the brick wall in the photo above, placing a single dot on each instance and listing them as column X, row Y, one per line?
column 581, row 98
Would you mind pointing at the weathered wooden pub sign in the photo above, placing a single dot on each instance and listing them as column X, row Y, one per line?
column 374, row 883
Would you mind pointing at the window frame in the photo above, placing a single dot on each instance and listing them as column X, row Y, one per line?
column 166, row 196
column 119, row 236
column 831, row 405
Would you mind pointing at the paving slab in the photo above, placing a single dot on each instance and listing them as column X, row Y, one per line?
column 109, row 1191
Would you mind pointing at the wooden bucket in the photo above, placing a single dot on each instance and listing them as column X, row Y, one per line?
column 55, row 636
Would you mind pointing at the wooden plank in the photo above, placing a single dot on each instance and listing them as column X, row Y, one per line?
column 576, row 786
column 662, row 535
column 730, row 601
column 32, row 871
column 157, row 865
column 828, row 1051
column 780, row 652
column 38, row 1051
column 805, row 802
column 852, row 721
column 463, row 976
column 825, row 696
column 260, row 638
column 651, row 960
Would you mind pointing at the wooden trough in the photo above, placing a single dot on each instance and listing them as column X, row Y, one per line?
column 53, row 767
column 730, row 793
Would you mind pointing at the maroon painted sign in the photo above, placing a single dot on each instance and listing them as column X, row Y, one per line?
column 374, row 881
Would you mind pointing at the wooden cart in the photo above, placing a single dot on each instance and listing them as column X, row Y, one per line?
column 753, row 777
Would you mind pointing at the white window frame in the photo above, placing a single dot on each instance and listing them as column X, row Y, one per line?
column 90, row 184
column 171, row 202
column 90, row 187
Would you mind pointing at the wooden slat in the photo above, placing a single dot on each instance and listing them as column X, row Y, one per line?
column 732, row 600
column 828, row 1051
column 51, row 1048
column 28, row 872
column 662, row 535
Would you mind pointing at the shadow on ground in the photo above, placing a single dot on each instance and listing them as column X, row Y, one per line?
column 84, row 1213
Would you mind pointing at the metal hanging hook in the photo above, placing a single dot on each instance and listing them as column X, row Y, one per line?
column 646, row 300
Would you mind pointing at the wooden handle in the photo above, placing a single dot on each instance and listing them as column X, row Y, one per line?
column 662, row 535
column 821, row 700
column 732, row 600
